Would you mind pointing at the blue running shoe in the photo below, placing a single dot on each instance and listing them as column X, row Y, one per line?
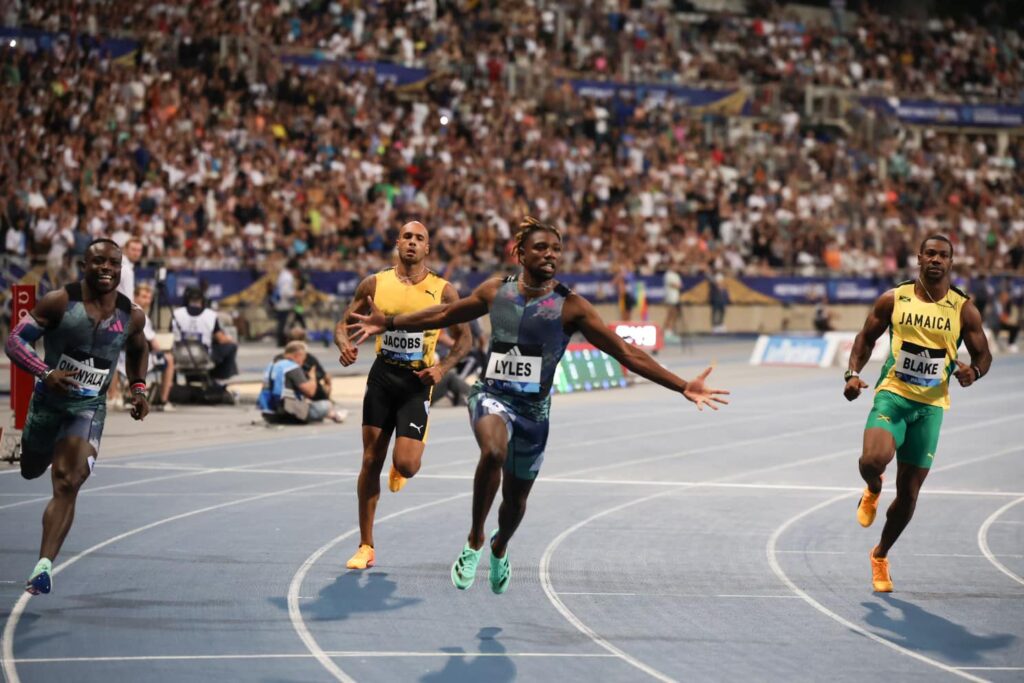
column 40, row 581
column 501, row 570
column 464, row 569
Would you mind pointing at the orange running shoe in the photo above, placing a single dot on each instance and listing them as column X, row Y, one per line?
column 868, row 507
column 363, row 559
column 395, row 480
column 880, row 579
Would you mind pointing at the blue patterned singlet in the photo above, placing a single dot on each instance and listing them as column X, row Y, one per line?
column 527, row 342
column 91, row 348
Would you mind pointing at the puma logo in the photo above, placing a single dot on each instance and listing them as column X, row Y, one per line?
column 433, row 295
column 418, row 428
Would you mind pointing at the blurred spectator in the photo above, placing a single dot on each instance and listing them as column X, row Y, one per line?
column 673, row 284
column 131, row 252
column 1008, row 312
column 215, row 156
column 822, row 315
column 287, row 395
column 196, row 321
column 718, row 298
column 159, row 358
column 285, row 298
column 312, row 367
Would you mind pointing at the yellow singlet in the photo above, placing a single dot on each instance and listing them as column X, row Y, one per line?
column 924, row 338
column 414, row 350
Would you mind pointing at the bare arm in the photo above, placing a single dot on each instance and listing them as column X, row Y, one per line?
column 455, row 312
column 136, row 352
column 580, row 315
column 136, row 349
column 364, row 291
column 875, row 325
column 436, row 317
column 460, row 334
column 308, row 388
column 977, row 345
column 20, row 343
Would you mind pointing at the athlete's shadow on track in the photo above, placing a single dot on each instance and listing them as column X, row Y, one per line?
column 488, row 666
column 922, row 631
column 353, row 593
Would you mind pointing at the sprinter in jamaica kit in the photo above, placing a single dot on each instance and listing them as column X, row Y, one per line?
column 84, row 327
column 927, row 318
column 532, row 318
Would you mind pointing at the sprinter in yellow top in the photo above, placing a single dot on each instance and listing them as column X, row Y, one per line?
column 398, row 387
column 926, row 319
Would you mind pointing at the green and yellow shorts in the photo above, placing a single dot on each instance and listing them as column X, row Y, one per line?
column 915, row 426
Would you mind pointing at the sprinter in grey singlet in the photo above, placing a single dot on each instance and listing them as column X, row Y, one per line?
column 532, row 318
column 84, row 327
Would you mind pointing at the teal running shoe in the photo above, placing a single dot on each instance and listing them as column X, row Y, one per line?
column 40, row 580
column 464, row 569
column 501, row 570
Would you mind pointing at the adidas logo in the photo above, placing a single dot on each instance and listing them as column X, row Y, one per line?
column 88, row 361
column 514, row 351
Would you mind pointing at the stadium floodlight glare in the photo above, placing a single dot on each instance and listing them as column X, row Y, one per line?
column 14, row 43
column 444, row 120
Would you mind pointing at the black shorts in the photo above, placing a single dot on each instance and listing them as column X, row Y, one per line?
column 396, row 400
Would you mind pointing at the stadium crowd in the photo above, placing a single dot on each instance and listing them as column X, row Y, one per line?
column 215, row 158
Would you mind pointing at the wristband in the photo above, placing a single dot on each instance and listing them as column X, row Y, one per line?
column 977, row 372
column 138, row 387
column 389, row 323
column 44, row 374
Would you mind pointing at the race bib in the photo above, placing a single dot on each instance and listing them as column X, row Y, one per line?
column 514, row 368
column 91, row 377
column 920, row 365
column 400, row 345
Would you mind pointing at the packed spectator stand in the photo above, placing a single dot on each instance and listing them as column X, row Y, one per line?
column 218, row 153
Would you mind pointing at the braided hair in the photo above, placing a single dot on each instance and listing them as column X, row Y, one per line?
column 530, row 225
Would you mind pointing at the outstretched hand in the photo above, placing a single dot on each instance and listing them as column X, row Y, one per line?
column 368, row 325
column 701, row 394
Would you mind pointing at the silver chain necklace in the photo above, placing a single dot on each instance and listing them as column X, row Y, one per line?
column 926, row 292
column 528, row 288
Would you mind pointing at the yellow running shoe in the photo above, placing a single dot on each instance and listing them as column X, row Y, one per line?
column 363, row 559
column 880, row 579
column 395, row 480
column 868, row 507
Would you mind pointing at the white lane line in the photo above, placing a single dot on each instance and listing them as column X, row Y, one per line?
column 719, row 447
column 306, row 655
column 804, row 393
column 770, row 550
column 180, row 472
column 983, row 541
column 7, row 640
column 447, row 418
column 968, row 556
column 682, row 595
column 722, row 447
column 792, row 488
column 549, row 551
column 41, row 499
column 295, row 613
column 779, row 572
column 568, row 615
